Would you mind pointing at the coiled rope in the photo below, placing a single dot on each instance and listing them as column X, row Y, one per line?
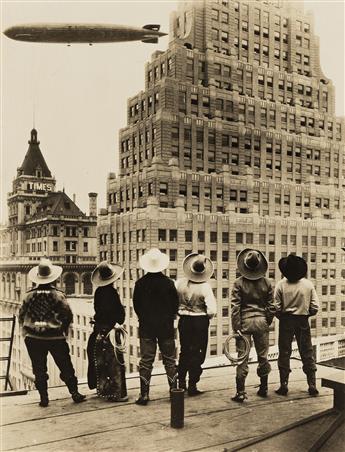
column 236, row 359
column 120, row 347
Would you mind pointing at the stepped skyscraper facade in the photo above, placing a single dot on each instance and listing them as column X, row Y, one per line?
column 233, row 143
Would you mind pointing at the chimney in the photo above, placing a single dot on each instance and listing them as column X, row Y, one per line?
column 74, row 198
column 93, row 204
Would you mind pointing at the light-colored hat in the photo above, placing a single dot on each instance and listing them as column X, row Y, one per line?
column 45, row 272
column 293, row 267
column 252, row 264
column 154, row 261
column 105, row 274
column 197, row 267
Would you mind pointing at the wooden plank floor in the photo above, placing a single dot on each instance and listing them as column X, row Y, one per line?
column 212, row 420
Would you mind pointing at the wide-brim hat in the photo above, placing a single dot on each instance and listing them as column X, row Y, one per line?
column 252, row 264
column 105, row 274
column 154, row 261
column 197, row 267
column 293, row 267
column 45, row 272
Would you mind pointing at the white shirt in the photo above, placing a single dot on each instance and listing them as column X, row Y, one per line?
column 195, row 298
column 296, row 297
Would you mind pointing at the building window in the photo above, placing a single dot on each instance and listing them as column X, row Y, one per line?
column 188, row 236
column 69, row 281
column 163, row 188
column 225, row 36
column 173, row 235
column 225, row 256
column 213, row 237
column 71, row 246
column 201, row 236
column 162, row 235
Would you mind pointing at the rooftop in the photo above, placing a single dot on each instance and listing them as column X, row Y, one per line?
column 212, row 421
column 34, row 159
column 58, row 203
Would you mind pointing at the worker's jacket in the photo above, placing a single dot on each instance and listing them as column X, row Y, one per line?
column 250, row 299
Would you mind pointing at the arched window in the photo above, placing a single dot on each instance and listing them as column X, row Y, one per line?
column 69, row 281
column 87, row 284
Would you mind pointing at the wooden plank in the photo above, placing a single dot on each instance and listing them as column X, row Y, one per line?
column 339, row 420
column 336, row 383
column 209, row 419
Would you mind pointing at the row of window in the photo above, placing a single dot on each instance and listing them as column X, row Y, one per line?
column 67, row 231
column 261, row 116
column 160, row 70
column 240, row 238
column 149, row 105
column 225, row 254
column 228, row 157
column 195, row 191
column 69, row 246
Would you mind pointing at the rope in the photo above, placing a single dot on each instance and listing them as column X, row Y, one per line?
column 239, row 359
column 120, row 347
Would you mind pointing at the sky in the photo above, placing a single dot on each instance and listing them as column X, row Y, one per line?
column 76, row 96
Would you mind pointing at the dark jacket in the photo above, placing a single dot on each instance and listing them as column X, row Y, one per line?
column 155, row 302
column 251, row 299
column 45, row 313
column 108, row 308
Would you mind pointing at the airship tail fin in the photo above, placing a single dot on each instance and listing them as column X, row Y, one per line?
column 152, row 27
column 150, row 40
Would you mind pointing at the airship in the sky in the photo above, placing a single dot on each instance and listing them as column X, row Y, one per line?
column 83, row 33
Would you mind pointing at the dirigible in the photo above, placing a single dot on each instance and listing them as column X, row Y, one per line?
column 83, row 33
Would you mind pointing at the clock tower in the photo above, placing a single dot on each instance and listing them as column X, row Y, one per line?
column 31, row 186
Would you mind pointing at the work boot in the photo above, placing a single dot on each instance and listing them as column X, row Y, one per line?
column 311, row 378
column 143, row 397
column 193, row 390
column 262, row 392
column 284, row 380
column 44, row 402
column 42, row 388
column 77, row 397
column 240, row 395
column 72, row 385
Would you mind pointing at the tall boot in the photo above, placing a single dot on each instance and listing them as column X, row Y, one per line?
column 72, row 385
column 42, row 388
column 172, row 381
column 311, row 378
column 182, row 383
column 262, row 392
column 240, row 395
column 284, row 380
column 143, row 398
column 182, row 380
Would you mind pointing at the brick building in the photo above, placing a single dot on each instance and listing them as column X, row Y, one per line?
column 233, row 143
column 42, row 221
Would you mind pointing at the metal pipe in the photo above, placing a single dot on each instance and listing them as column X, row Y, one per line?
column 177, row 408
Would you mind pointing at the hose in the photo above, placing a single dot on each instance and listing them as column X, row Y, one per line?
column 236, row 360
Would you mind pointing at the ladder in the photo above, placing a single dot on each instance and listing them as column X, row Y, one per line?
column 7, row 358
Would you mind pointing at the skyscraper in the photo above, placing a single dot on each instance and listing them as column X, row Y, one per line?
column 232, row 144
